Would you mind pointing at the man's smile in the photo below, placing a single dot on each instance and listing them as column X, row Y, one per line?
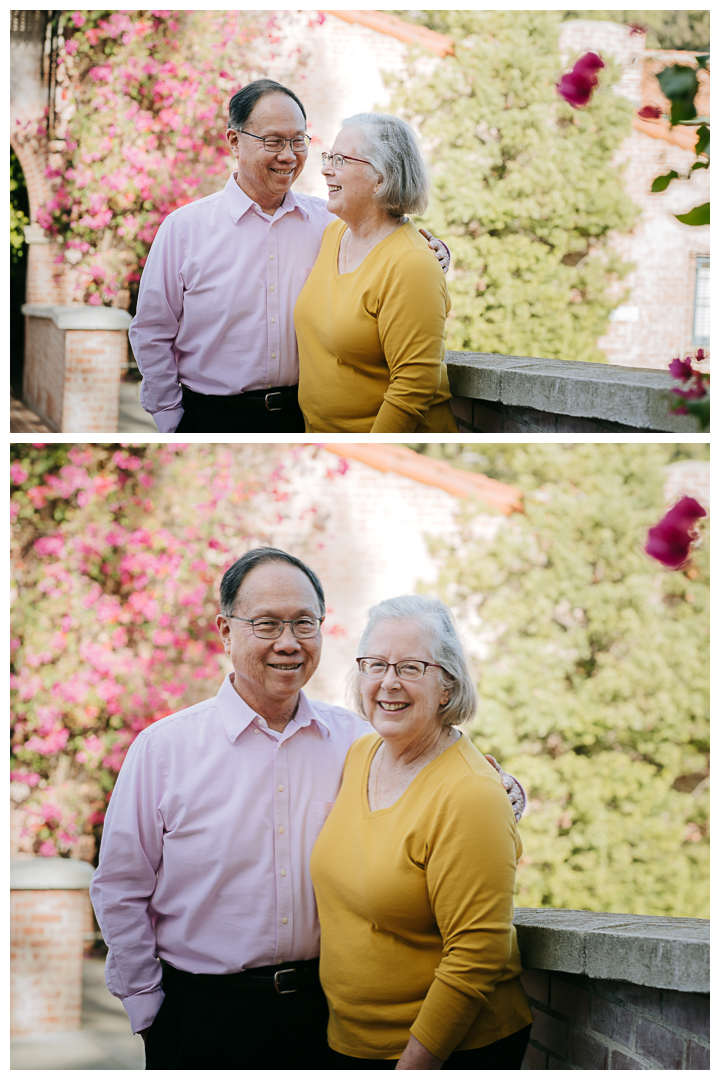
column 286, row 667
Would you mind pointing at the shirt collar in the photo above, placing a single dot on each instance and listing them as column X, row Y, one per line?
column 237, row 715
column 239, row 203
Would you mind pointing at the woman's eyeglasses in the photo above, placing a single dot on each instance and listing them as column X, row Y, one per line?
column 338, row 160
column 411, row 670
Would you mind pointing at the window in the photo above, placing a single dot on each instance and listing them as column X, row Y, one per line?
column 701, row 317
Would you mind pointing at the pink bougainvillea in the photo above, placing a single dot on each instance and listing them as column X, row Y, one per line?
column 577, row 86
column 671, row 539
column 141, row 115
column 115, row 577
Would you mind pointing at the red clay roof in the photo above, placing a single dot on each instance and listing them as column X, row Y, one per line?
column 401, row 459
column 398, row 28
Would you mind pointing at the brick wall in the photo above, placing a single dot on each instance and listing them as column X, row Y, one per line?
column 44, row 370
column 72, row 377
column 47, row 927
column 583, row 1023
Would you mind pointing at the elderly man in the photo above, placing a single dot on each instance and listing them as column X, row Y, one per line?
column 214, row 335
column 203, row 891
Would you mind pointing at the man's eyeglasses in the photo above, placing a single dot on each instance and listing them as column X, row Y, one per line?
column 274, row 144
column 412, row 670
column 338, row 160
column 304, row 627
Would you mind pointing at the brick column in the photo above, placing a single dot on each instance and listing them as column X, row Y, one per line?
column 74, row 357
column 49, row 899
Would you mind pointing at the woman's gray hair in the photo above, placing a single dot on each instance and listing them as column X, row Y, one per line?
column 392, row 147
column 445, row 648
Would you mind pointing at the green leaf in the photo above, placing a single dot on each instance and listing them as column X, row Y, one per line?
column 701, row 410
column 702, row 146
column 661, row 182
column 679, row 84
column 703, row 61
column 699, row 215
column 700, row 165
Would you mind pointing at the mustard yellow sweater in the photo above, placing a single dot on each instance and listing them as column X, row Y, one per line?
column 371, row 342
column 416, row 910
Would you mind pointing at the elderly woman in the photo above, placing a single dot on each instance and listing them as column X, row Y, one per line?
column 370, row 320
column 414, row 870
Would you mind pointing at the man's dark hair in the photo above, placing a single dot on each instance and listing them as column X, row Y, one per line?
column 233, row 578
column 243, row 103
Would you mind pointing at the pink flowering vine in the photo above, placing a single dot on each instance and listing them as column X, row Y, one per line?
column 141, row 115
column 577, row 86
column 671, row 539
column 114, row 621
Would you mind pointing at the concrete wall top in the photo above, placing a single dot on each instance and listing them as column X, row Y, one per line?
column 637, row 397
column 648, row 950
column 80, row 316
column 50, row 873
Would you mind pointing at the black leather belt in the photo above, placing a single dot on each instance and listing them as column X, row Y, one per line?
column 274, row 399
column 280, row 979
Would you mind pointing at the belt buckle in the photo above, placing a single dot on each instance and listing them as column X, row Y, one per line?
column 275, row 393
column 284, row 971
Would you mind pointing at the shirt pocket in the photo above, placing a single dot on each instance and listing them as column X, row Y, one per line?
column 319, row 812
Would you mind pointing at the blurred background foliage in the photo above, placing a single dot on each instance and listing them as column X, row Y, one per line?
column 524, row 189
column 593, row 674
column 666, row 29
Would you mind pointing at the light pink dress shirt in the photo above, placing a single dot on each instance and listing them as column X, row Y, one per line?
column 206, row 848
column 215, row 307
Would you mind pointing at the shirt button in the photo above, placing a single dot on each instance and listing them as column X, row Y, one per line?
column 257, row 730
column 272, row 256
column 273, row 356
column 283, row 874
column 280, row 787
column 285, row 918
column 272, row 320
column 272, row 288
column 281, row 829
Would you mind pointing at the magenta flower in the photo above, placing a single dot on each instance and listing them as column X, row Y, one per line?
column 577, row 86
column 669, row 541
column 650, row 112
column 681, row 369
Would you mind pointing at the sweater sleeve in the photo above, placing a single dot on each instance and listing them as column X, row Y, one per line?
column 470, row 870
column 411, row 326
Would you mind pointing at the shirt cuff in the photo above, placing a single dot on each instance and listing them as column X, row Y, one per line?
column 168, row 420
column 523, row 808
column 143, row 1008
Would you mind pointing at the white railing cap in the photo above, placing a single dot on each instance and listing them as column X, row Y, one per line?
column 50, row 873
column 80, row 316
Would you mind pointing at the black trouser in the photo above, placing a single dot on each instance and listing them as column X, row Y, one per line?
column 240, row 1021
column 274, row 410
column 506, row 1053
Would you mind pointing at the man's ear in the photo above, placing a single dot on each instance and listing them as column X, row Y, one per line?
column 223, row 625
column 233, row 138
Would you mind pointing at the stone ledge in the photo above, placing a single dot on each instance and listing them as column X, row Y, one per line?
column 50, row 873
column 80, row 316
column 637, row 397
column 649, row 950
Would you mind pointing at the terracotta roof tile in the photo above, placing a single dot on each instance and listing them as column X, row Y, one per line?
column 398, row 28
column 406, row 462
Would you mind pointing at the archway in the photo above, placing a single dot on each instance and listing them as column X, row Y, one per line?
column 19, row 218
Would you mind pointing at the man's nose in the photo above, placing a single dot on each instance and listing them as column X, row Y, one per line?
column 287, row 640
column 287, row 153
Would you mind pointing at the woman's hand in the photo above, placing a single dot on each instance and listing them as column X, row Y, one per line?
column 515, row 793
column 415, row 1056
column 442, row 252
